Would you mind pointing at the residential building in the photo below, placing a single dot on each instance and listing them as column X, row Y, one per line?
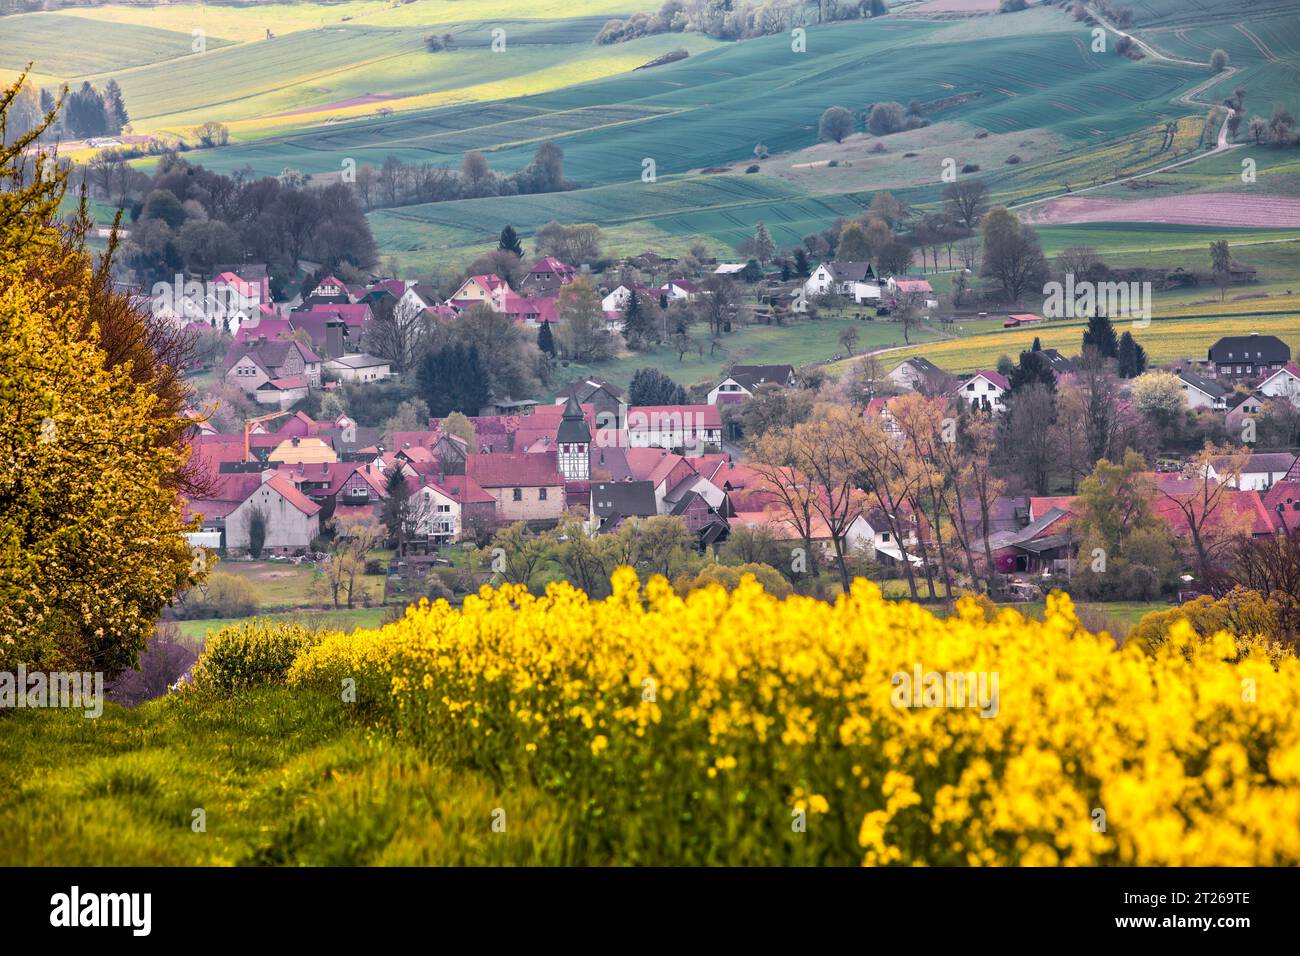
column 687, row 429
column 292, row 520
column 983, row 390
column 1248, row 357
column 743, row 380
column 1201, row 392
column 359, row 368
column 527, row 487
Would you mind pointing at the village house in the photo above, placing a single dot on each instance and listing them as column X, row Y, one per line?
column 546, row 277
column 1284, row 383
column 331, row 290
column 1247, row 408
column 912, row 288
column 1058, row 363
column 489, row 290
column 292, row 520
column 1247, row 357
column 526, row 487
column 331, row 337
column 743, row 380
column 1260, row 472
column 680, row 290
column 359, row 368
column 531, row 312
column 1201, row 392
column 295, row 449
column 445, row 506
column 983, row 390
column 921, row 375
column 686, row 429
column 612, row 502
column 289, row 366
column 605, row 398
column 842, row 277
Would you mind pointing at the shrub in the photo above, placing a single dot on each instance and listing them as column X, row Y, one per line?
column 971, row 168
column 666, row 721
column 164, row 661
column 731, row 576
column 886, row 118
column 1013, row 159
column 249, row 654
column 224, row 595
column 1240, row 611
column 751, row 169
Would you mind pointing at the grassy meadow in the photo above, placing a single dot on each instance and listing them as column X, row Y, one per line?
column 283, row 778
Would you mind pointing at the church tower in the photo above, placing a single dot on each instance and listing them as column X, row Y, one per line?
column 573, row 440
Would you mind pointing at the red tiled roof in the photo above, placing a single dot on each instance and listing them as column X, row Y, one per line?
column 283, row 384
column 352, row 313
column 292, row 495
column 1285, row 494
column 643, row 417
column 460, row 488
column 514, row 469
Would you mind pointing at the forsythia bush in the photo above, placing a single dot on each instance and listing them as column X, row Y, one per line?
column 737, row 728
column 250, row 653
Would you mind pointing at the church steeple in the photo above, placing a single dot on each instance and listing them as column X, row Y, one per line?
column 573, row 439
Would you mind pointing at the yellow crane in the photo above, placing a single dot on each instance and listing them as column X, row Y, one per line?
column 250, row 422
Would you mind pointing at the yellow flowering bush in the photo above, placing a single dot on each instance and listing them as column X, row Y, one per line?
column 250, row 653
column 738, row 728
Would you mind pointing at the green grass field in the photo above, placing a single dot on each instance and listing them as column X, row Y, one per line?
column 308, row 97
column 70, row 48
column 799, row 343
column 195, row 632
column 281, row 777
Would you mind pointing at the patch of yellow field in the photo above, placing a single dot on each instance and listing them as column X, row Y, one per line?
column 544, row 80
column 251, row 23
column 9, row 77
column 1164, row 341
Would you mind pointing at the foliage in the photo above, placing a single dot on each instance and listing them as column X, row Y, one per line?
column 649, row 386
column 91, row 545
column 222, row 595
column 662, row 719
column 1125, row 550
column 249, row 654
column 452, row 379
column 1246, row 614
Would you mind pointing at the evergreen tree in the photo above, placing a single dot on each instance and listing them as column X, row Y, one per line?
column 509, row 242
column 115, row 106
column 545, row 338
column 764, row 247
column 635, row 323
column 1132, row 357
column 801, row 266
column 1100, row 335
column 649, row 386
column 1038, row 345
column 452, row 379
column 1033, row 368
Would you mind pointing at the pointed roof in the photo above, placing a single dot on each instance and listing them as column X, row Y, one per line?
column 573, row 425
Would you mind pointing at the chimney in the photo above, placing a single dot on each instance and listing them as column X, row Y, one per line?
column 295, row 441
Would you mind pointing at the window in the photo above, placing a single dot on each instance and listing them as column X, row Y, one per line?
column 518, row 494
column 970, row 387
column 884, row 536
column 541, row 494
